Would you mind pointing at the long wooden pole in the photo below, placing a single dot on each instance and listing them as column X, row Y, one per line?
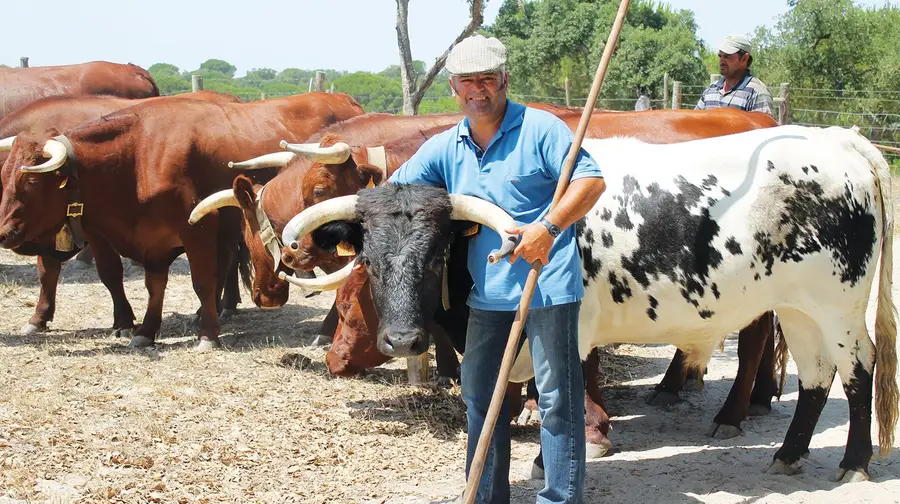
column 515, row 332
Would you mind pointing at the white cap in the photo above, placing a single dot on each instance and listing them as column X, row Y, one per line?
column 476, row 54
column 734, row 43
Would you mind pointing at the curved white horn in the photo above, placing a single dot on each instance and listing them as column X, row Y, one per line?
column 474, row 209
column 6, row 143
column 274, row 160
column 54, row 150
column 336, row 154
column 340, row 208
column 216, row 200
column 323, row 283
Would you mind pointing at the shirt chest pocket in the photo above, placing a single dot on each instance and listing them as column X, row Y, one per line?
column 529, row 190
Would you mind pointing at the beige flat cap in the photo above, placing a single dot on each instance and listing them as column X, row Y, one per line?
column 476, row 54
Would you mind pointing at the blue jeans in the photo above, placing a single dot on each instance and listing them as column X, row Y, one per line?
column 553, row 337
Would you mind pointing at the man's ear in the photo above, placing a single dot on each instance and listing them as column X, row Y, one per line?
column 452, row 88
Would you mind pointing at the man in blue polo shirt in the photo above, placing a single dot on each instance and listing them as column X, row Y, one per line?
column 513, row 156
column 737, row 87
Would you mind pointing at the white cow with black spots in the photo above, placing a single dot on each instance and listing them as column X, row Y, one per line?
column 693, row 241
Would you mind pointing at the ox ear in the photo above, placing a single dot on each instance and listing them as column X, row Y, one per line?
column 369, row 175
column 244, row 192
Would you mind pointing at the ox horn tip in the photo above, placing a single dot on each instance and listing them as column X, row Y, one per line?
column 283, row 144
column 231, row 164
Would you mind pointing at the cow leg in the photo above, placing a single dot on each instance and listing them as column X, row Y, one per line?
column 751, row 342
column 856, row 364
column 48, row 269
column 110, row 271
column 202, row 254
column 596, row 421
column 228, row 290
column 816, row 374
column 666, row 392
column 765, row 387
column 447, row 362
column 325, row 337
column 155, row 279
column 84, row 258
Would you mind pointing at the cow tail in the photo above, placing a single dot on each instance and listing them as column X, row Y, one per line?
column 781, row 355
column 244, row 268
column 886, row 393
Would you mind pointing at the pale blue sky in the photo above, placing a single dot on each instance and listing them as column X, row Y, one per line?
column 310, row 34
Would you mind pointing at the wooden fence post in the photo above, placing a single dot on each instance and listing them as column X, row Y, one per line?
column 196, row 83
column 665, row 90
column 23, row 62
column 568, row 94
column 417, row 369
column 676, row 95
column 262, row 95
column 320, row 80
column 784, row 106
column 310, row 84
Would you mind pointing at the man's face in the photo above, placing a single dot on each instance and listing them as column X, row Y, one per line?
column 480, row 95
column 731, row 65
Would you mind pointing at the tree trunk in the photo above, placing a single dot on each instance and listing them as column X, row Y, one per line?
column 413, row 90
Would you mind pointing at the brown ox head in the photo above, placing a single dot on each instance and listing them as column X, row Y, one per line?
column 34, row 179
column 320, row 171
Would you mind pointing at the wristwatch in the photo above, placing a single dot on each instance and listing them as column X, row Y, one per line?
column 552, row 228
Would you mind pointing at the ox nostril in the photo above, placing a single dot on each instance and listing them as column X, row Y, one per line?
column 287, row 259
column 295, row 245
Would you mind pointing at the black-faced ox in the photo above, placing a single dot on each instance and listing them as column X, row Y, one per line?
column 690, row 242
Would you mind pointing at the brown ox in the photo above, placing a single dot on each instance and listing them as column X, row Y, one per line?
column 140, row 171
column 21, row 86
column 354, row 345
column 60, row 113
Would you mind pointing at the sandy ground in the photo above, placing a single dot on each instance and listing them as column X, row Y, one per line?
column 85, row 419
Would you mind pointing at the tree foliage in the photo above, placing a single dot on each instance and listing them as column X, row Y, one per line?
column 551, row 40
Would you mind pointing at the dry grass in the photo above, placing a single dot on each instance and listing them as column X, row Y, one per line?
column 85, row 419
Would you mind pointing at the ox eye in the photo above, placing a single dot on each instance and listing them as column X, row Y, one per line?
column 318, row 192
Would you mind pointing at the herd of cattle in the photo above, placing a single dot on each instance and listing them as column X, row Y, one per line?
column 712, row 222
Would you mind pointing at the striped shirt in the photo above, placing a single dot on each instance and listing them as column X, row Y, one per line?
column 750, row 95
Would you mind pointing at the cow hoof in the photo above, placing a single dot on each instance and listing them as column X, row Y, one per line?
column 849, row 476
column 537, row 472
column 662, row 398
column 780, row 467
column 757, row 410
column 718, row 431
column 140, row 342
column 227, row 313
column 595, row 451
column 447, row 382
column 319, row 340
column 207, row 345
column 126, row 332
column 527, row 416
column 30, row 328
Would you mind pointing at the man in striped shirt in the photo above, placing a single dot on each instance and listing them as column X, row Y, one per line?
column 737, row 87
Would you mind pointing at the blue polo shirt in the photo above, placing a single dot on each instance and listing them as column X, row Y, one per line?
column 517, row 172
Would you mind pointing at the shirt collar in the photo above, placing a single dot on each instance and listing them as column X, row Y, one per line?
column 515, row 112
column 720, row 84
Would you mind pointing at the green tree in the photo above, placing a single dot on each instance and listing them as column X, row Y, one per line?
column 218, row 66
column 550, row 40
column 164, row 69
